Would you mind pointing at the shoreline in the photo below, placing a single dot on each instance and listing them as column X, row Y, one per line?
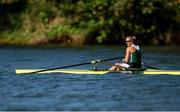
column 68, row 43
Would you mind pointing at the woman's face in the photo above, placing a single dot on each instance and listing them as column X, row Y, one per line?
column 129, row 42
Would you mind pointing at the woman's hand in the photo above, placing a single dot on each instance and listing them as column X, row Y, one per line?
column 123, row 60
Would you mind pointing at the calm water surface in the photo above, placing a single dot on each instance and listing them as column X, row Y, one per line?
column 87, row 92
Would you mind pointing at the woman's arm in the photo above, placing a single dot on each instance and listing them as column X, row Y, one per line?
column 126, row 59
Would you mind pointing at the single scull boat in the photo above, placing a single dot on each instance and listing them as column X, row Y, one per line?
column 96, row 72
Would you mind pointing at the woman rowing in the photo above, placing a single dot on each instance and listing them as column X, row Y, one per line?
column 132, row 57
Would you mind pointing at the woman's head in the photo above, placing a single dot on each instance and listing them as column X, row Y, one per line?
column 129, row 40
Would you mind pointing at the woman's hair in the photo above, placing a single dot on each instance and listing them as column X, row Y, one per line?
column 133, row 38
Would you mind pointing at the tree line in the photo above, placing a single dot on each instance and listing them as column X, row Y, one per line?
column 74, row 22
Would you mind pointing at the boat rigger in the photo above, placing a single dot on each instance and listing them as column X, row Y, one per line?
column 99, row 72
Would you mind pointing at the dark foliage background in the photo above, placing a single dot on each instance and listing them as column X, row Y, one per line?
column 89, row 21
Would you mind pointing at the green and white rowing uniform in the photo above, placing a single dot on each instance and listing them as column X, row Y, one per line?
column 135, row 58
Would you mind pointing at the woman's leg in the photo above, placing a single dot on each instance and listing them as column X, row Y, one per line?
column 115, row 66
column 119, row 66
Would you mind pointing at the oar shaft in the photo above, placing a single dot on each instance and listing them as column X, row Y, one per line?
column 60, row 67
column 86, row 63
column 151, row 67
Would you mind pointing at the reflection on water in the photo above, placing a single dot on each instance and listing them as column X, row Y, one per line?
column 86, row 92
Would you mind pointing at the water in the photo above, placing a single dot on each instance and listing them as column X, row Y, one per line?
column 87, row 92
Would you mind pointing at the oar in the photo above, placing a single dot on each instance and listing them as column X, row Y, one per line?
column 150, row 67
column 80, row 64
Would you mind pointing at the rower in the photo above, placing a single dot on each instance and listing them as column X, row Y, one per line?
column 132, row 57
